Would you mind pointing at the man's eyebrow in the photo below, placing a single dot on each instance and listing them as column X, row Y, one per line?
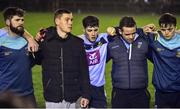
column 131, row 33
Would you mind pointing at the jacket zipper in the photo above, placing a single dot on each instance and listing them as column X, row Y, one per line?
column 129, row 59
column 129, row 72
column 62, row 72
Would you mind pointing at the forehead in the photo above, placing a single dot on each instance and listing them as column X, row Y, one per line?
column 66, row 15
column 17, row 17
column 167, row 26
column 94, row 27
column 129, row 29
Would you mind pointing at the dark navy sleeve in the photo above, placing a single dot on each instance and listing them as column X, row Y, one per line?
column 37, row 58
column 32, row 59
column 108, row 58
column 149, row 54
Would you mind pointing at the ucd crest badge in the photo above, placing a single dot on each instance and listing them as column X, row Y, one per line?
column 139, row 45
column 178, row 53
column 100, row 44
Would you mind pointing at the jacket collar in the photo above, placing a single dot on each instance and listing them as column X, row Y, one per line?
column 52, row 34
column 125, row 41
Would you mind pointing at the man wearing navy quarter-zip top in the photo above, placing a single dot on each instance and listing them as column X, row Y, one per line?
column 165, row 45
column 15, row 63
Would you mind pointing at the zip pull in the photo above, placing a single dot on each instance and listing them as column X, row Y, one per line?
column 130, row 51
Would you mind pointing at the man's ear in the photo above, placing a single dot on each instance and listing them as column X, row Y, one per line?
column 56, row 21
column 7, row 22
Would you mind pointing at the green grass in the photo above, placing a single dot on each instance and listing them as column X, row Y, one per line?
column 34, row 21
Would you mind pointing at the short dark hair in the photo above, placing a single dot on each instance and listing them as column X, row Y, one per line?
column 59, row 12
column 9, row 12
column 90, row 21
column 127, row 22
column 167, row 19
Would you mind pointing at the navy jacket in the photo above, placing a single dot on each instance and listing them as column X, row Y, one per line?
column 129, row 73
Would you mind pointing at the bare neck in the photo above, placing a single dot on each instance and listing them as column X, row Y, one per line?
column 61, row 33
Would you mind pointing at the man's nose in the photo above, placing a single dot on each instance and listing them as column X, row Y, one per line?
column 166, row 31
column 131, row 36
column 93, row 33
column 70, row 22
column 21, row 22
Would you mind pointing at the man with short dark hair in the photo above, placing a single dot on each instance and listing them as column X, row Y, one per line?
column 64, row 65
column 129, row 53
column 95, row 44
column 165, row 45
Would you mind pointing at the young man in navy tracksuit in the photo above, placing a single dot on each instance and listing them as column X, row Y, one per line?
column 166, row 59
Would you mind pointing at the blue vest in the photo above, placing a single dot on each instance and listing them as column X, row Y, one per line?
column 129, row 73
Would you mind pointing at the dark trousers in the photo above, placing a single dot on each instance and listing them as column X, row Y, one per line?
column 167, row 99
column 13, row 100
column 31, row 101
column 98, row 98
column 130, row 98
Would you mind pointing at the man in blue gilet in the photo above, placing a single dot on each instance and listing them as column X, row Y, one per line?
column 129, row 52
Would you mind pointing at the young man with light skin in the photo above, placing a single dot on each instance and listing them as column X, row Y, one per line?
column 95, row 44
column 64, row 65
column 165, row 45
column 14, row 54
